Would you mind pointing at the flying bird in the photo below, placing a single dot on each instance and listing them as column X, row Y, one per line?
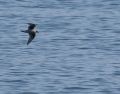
column 31, row 31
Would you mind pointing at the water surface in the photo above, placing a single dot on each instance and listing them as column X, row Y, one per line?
column 77, row 50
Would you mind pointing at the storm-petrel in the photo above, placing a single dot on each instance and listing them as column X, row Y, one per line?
column 31, row 31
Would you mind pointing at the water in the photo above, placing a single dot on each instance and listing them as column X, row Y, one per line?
column 77, row 50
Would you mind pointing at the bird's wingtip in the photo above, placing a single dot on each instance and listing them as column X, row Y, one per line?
column 31, row 24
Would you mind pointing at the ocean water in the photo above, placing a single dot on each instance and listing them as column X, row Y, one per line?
column 77, row 50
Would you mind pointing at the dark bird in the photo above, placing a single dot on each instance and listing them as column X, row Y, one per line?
column 31, row 31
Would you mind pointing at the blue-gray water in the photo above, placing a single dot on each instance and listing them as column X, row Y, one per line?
column 77, row 50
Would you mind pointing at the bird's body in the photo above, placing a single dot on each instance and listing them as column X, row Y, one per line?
column 31, row 31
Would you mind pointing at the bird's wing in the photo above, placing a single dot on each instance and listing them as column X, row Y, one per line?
column 31, row 37
column 25, row 31
column 31, row 26
column 37, row 32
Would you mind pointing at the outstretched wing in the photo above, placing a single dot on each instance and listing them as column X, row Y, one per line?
column 25, row 31
column 31, row 26
column 31, row 37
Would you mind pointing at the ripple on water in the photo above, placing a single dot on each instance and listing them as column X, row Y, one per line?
column 77, row 50
column 29, row 93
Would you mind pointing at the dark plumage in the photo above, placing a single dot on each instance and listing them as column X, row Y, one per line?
column 31, row 37
column 31, row 26
column 31, row 31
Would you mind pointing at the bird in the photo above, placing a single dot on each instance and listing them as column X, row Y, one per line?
column 31, row 31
